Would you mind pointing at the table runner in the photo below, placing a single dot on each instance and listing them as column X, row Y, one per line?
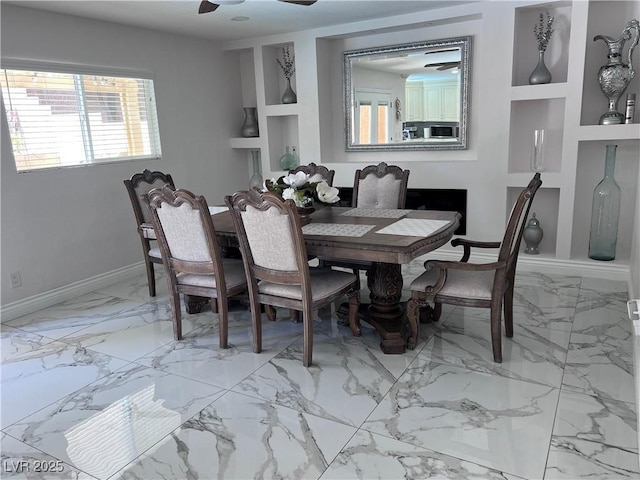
column 414, row 227
column 336, row 229
column 376, row 212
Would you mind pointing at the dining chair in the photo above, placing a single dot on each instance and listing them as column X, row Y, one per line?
column 375, row 186
column 485, row 285
column 312, row 169
column 275, row 261
column 191, row 255
column 137, row 185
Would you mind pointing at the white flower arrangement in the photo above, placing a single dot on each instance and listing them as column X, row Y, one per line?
column 543, row 30
column 303, row 189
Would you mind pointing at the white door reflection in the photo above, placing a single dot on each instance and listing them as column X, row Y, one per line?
column 372, row 116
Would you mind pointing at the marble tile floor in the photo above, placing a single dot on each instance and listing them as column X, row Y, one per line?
column 96, row 388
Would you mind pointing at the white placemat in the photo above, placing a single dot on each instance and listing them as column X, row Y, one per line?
column 376, row 212
column 214, row 210
column 414, row 227
column 336, row 229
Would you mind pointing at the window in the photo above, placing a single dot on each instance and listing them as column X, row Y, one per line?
column 372, row 116
column 68, row 119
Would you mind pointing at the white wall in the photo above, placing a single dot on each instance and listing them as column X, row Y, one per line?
column 64, row 226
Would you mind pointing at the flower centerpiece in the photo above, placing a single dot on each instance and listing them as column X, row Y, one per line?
column 303, row 189
column 288, row 66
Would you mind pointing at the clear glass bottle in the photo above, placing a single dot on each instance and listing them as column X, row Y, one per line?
column 605, row 212
column 256, row 178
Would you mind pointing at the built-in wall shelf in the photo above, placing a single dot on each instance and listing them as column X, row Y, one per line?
column 609, row 132
column 242, row 142
column 521, row 180
column 537, row 92
column 281, row 110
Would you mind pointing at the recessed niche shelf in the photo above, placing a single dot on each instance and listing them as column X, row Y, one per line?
column 589, row 172
column 274, row 81
column 525, row 48
column 527, row 116
column 545, row 205
column 539, row 92
column 283, row 132
column 609, row 132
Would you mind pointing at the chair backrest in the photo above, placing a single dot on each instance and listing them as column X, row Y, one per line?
column 313, row 169
column 270, row 236
column 380, row 186
column 142, row 183
column 515, row 226
column 185, row 232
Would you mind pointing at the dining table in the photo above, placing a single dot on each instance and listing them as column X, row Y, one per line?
column 385, row 238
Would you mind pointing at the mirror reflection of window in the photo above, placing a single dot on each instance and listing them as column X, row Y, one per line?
column 373, row 117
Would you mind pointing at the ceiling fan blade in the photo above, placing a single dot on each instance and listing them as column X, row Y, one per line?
column 306, row 3
column 207, row 7
column 443, row 65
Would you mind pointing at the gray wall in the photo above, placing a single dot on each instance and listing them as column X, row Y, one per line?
column 63, row 226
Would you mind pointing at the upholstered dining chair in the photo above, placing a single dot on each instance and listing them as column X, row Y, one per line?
column 485, row 285
column 375, row 186
column 275, row 261
column 313, row 169
column 191, row 254
column 137, row 185
column 380, row 186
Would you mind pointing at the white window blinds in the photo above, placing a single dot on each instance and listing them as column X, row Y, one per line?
column 70, row 119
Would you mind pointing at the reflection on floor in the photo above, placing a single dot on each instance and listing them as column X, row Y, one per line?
column 96, row 388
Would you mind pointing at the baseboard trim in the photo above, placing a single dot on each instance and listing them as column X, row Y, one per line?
column 43, row 300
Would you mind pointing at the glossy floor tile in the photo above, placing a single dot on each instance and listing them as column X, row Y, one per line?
column 97, row 388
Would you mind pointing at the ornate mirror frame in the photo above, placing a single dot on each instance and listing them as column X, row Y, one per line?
column 350, row 56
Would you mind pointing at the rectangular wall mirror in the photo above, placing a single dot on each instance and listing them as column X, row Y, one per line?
column 413, row 96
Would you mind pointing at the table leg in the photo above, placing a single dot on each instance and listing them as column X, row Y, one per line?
column 385, row 312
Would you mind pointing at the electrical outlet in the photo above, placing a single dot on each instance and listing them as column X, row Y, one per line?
column 15, row 279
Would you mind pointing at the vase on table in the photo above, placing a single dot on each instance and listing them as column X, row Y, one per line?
column 541, row 73
column 250, row 124
column 256, row 178
column 605, row 212
column 289, row 96
column 614, row 76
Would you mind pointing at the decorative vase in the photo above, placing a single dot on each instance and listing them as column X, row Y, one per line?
column 288, row 161
column 605, row 212
column 537, row 157
column 541, row 73
column 250, row 125
column 256, row 178
column 289, row 96
column 614, row 77
column 532, row 235
column 305, row 214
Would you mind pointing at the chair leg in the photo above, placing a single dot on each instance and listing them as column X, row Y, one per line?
column 508, row 311
column 256, row 321
column 295, row 315
column 270, row 312
column 413, row 312
column 177, row 315
column 307, row 347
column 437, row 311
column 151, row 277
column 354, row 318
column 496, row 333
column 221, row 306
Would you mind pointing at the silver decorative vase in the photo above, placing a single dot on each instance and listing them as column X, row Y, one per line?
column 614, row 77
column 250, row 124
column 541, row 73
column 289, row 96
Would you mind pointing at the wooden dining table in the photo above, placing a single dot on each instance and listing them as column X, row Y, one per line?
column 386, row 238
